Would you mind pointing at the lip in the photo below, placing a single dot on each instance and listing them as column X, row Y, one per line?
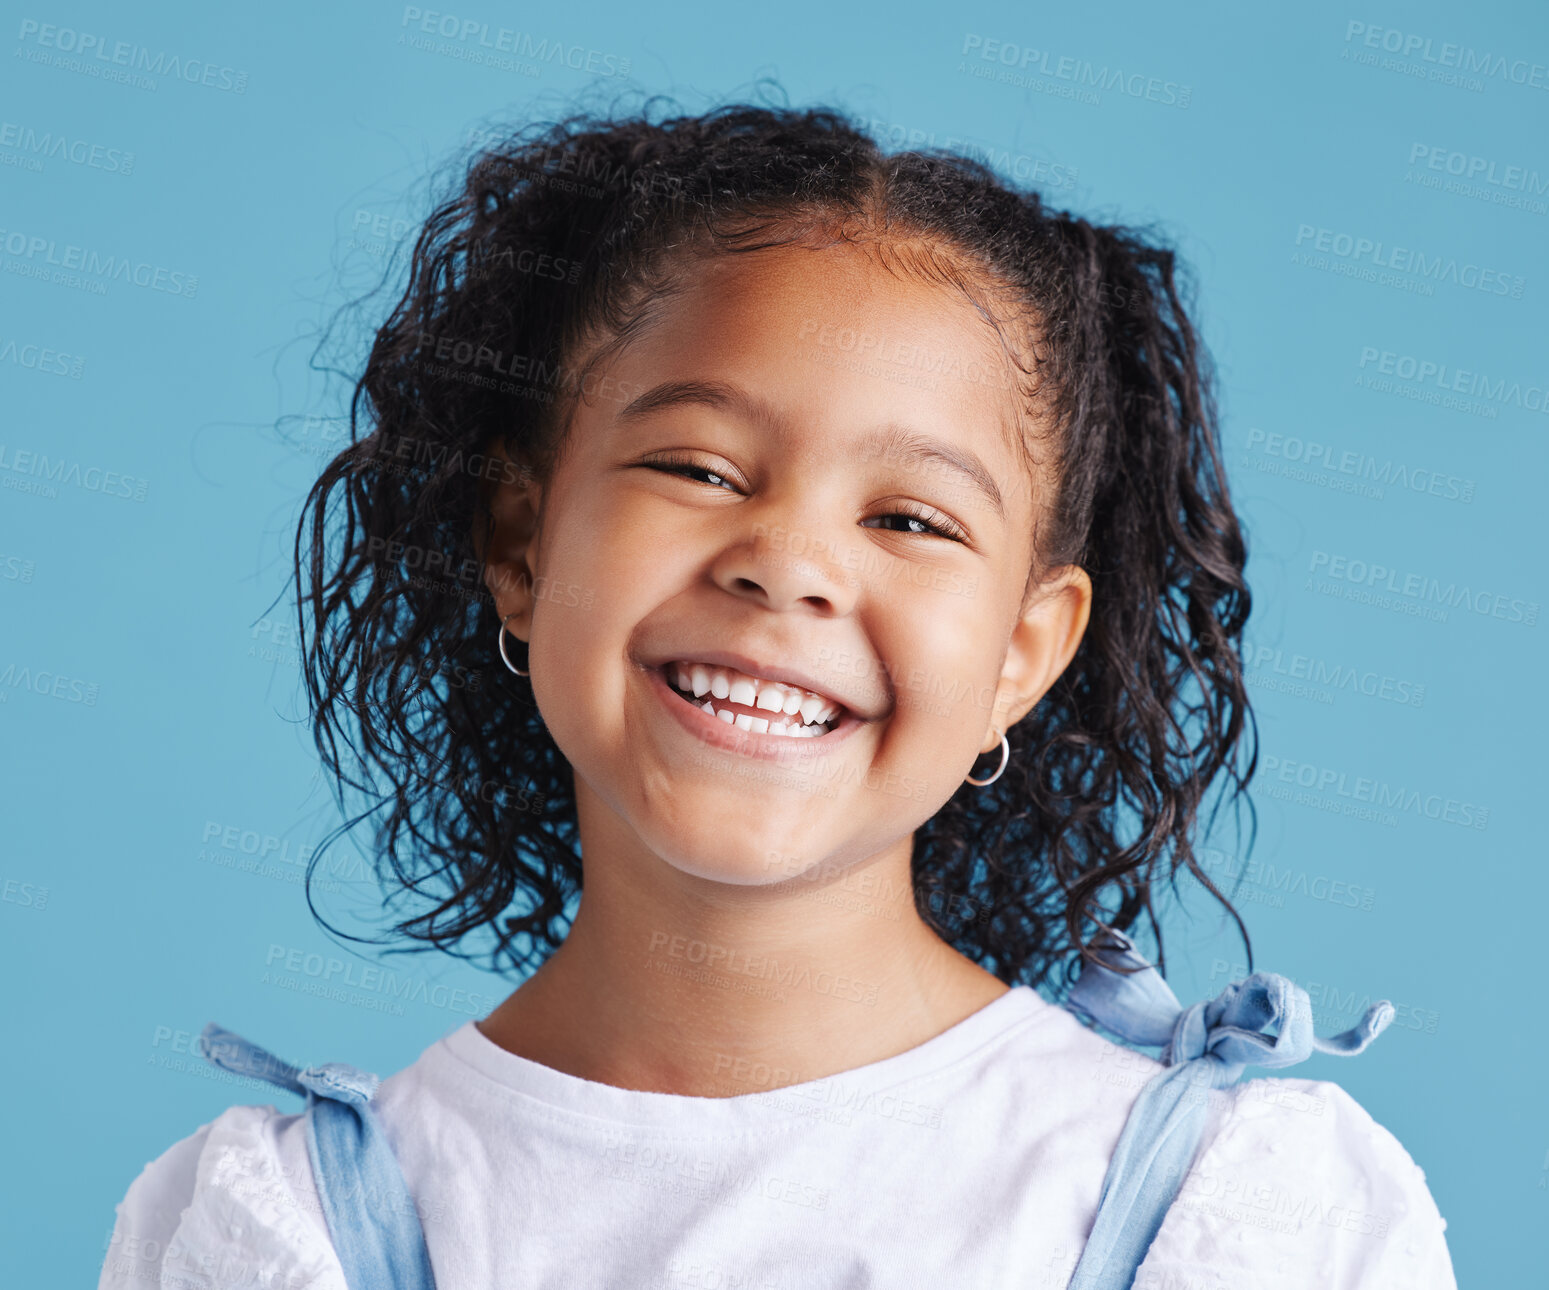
column 742, row 663
column 747, row 743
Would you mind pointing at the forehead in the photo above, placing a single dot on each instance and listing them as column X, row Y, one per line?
column 835, row 336
column 897, row 315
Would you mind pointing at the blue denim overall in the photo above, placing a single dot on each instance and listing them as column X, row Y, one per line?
column 382, row 1247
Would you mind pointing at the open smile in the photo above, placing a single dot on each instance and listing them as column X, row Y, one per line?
column 764, row 717
column 753, row 703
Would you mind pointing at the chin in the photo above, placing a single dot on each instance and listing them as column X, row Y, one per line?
column 732, row 855
column 755, row 873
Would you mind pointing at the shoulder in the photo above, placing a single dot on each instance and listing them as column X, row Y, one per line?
column 237, row 1192
column 1297, row 1185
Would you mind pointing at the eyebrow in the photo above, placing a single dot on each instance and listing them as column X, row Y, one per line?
column 909, row 447
column 709, row 394
column 913, row 449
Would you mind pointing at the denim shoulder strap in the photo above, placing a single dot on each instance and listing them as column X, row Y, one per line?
column 371, row 1216
column 1205, row 1047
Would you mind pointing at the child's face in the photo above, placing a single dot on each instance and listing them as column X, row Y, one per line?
column 787, row 548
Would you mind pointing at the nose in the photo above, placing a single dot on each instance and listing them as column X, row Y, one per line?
column 788, row 568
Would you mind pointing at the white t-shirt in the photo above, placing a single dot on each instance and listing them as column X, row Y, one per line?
column 975, row 1160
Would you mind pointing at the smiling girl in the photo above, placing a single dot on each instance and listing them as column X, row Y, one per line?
column 846, row 543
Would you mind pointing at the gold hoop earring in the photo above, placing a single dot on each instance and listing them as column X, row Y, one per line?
column 504, row 657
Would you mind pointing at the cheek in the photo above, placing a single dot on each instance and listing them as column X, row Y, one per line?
column 591, row 593
column 579, row 597
column 943, row 673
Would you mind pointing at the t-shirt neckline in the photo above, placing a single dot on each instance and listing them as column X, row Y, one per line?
column 573, row 1095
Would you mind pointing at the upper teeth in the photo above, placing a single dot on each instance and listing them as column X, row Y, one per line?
column 754, row 692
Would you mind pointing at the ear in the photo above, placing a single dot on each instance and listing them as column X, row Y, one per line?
column 509, row 550
column 1043, row 641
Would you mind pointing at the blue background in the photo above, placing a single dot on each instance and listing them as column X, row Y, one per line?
column 135, row 787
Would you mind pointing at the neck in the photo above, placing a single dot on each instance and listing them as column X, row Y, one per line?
column 673, row 983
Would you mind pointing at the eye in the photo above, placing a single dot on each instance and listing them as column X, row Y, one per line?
column 689, row 470
column 919, row 520
column 924, row 522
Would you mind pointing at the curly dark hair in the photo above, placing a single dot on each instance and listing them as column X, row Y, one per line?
column 556, row 233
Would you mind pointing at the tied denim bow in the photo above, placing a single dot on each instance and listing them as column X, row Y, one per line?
column 1205, row 1046
column 333, row 1080
column 372, row 1219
